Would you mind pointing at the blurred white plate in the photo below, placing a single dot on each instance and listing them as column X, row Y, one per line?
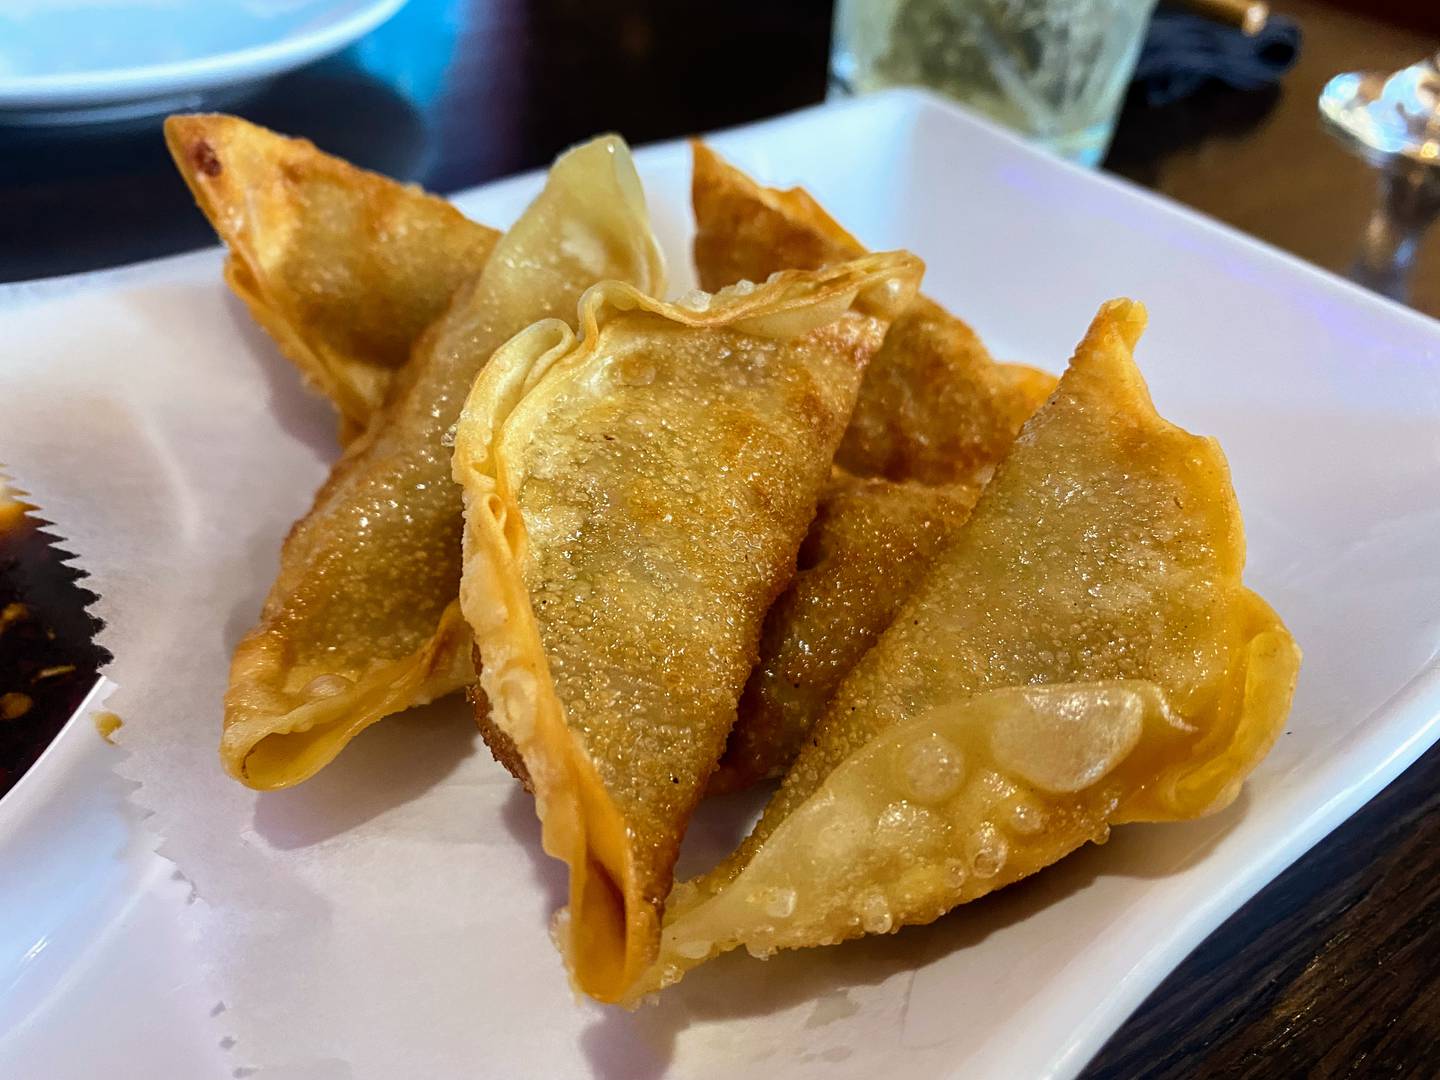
column 73, row 61
column 1327, row 401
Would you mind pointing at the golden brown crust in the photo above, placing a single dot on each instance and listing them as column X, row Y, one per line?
column 343, row 267
column 502, row 747
column 867, row 547
column 1108, row 546
column 933, row 409
column 747, row 232
column 634, row 502
column 1084, row 654
column 934, row 406
column 363, row 619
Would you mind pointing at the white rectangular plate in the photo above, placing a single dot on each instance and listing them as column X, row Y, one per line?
column 1327, row 401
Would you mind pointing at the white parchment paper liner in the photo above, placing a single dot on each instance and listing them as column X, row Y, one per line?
column 389, row 917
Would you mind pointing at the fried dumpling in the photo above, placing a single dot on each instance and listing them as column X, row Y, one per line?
column 745, row 232
column 1083, row 655
column 344, row 268
column 934, row 407
column 866, row 550
column 634, row 503
column 363, row 619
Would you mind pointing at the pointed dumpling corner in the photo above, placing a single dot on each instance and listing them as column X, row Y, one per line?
column 934, row 416
column 744, row 231
column 934, row 406
column 1084, row 654
column 634, row 502
column 344, row 268
column 363, row 619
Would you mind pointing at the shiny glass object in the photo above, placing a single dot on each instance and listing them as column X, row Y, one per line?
column 1054, row 70
column 1388, row 116
column 1393, row 122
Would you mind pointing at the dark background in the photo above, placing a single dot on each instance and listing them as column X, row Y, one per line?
column 1332, row 970
column 451, row 93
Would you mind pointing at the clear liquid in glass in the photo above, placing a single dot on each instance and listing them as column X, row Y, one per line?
column 1054, row 70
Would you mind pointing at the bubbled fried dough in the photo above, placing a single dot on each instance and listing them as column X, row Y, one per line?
column 502, row 748
column 866, row 549
column 934, row 406
column 364, row 620
column 634, row 502
column 344, row 268
column 1084, row 654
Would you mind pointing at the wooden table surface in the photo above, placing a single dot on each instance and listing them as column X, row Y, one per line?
column 1334, row 969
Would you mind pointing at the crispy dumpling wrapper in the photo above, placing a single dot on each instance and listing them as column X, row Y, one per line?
column 634, row 502
column 344, row 268
column 866, row 550
column 934, row 409
column 745, row 232
column 934, row 406
column 1083, row 655
column 363, row 619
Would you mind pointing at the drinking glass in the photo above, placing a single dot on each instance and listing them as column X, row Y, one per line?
column 1054, row 70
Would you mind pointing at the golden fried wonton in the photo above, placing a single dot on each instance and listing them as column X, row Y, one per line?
column 867, row 548
column 343, row 267
column 363, row 619
column 634, row 502
column 745, row 232
column 934, row 406
column 1083, row 655
column 933, row 409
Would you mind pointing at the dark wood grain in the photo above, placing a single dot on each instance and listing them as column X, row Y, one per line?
column 1259, row 161
column 1334, row 969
